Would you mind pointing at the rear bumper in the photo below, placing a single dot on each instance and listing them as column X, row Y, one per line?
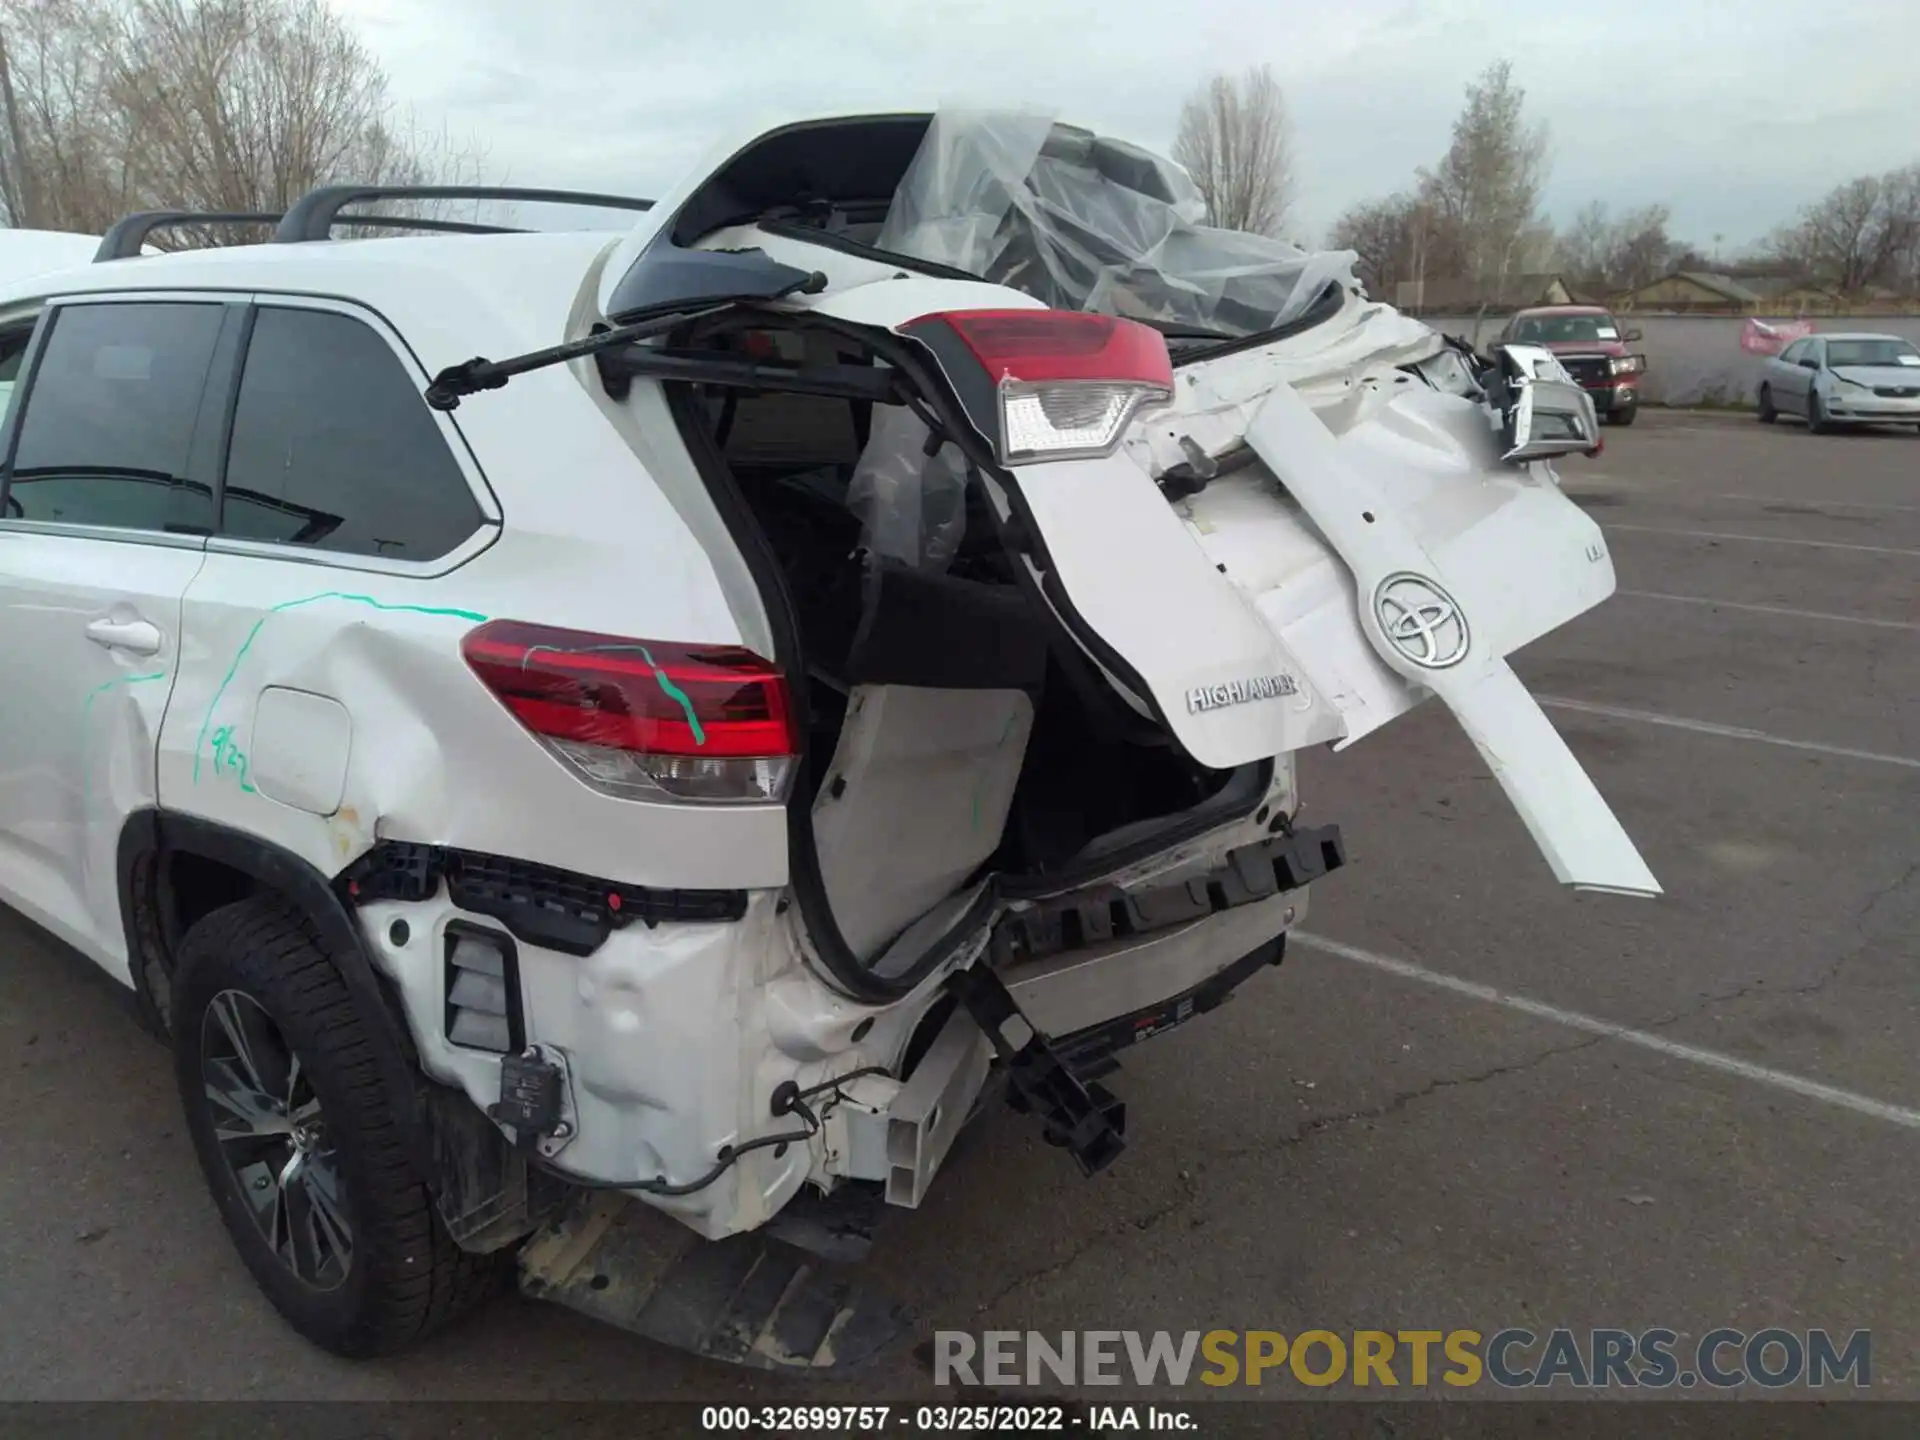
column 1058, row 1022
column 667, row 1044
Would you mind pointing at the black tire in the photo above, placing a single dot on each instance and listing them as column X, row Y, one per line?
column 382, row 1272
column 1817, row 422
column 1767, row 413
column 1625, row 417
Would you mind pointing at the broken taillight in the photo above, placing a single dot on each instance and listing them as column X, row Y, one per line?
column 1063, row 383
column 645, row 719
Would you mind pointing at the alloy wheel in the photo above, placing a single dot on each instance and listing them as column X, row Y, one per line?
column 273, row 1136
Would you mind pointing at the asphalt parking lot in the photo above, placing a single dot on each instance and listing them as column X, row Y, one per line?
column 1357, row 1142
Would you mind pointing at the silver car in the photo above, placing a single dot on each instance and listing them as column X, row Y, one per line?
column 1830, row 380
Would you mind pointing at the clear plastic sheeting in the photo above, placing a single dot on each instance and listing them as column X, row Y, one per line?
column 911, row 505
column 1081, row 222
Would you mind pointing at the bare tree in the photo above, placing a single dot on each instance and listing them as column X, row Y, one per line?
column 66, row 161
column 1399, row 240
column 1864, row 232
column 1583, row 249
column 1642, row 249
column 219, row 105
column 1489, row 182
column 1605, row 253
column 1235, row 139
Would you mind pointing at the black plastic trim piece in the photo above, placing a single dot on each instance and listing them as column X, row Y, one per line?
column 219, row 402
column 1252, row 873
column 510, row 965
column 666, row 278
column 941, row 632
column 149, row 946
column 1077, row 1115
column 539, row 904
column 314, row 214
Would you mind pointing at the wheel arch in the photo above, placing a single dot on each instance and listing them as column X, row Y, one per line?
column 157, row 849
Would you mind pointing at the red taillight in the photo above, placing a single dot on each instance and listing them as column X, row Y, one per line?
column 1040, row 345
column 644, row 718
column 1066, row 382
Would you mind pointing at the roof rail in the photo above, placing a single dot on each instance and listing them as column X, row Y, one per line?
column 313, row 215
column 127, row 237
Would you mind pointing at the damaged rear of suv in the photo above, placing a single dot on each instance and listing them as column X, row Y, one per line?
column 903, row 569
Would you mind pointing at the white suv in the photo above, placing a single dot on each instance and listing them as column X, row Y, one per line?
column 845, row 665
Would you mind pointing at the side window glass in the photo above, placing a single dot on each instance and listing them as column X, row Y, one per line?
column 110, row 417
column 333, row 446
column 1791, row 355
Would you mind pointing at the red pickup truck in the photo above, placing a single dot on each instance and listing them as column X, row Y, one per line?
column 1591, row 345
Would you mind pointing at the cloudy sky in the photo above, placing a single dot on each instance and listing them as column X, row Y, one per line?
column 1733, row 112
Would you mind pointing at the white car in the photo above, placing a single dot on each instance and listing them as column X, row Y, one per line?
column 1843, row 379
column 620, row 803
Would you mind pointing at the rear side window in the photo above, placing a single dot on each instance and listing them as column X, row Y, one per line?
column 110, row 417
column 333, row 446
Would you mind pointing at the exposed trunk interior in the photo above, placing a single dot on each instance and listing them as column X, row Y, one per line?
column 955, row 736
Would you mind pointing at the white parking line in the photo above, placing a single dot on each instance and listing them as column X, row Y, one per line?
column 1769, row 609
column 1763, row 539
column 1727, row 732
column 1593, row 1025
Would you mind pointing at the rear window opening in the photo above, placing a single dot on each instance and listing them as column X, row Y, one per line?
column 1077, row 220
column 955, row 738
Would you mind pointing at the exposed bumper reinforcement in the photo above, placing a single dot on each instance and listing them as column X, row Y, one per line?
column 932, row 1107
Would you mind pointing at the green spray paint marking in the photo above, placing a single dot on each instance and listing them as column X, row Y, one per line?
column 86, row 716
column 86, row 708
column 679, row 695
column 228, row 756
column 673, row 691
column 241, row 654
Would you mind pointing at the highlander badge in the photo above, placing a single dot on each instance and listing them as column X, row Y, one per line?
column 1239, row 692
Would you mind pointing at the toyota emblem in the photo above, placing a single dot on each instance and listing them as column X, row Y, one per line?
column 1421, row 621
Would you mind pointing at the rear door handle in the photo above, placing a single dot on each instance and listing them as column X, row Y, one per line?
column 139, row 636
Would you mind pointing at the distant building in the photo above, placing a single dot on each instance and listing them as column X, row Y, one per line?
column 1455, row 295
column 1694, row 292
column 1757, row 292
column 1791, row 294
